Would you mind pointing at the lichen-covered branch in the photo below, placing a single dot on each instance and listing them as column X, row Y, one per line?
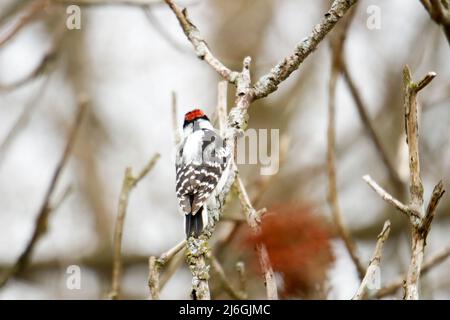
column 374, row 264
column 129, row 183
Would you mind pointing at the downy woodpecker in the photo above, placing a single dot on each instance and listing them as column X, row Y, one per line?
column 201, row 161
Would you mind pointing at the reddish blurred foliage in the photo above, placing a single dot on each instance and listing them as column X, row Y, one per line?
column 298, row 242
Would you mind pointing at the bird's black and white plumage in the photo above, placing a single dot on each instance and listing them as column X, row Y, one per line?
column 201, row 161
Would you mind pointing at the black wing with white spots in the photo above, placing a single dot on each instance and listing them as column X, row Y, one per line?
column 201, row 162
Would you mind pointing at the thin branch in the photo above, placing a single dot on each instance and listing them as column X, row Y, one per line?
column 439, row 11
column 240, row 268
column 155, row 266
column 34, row 8
column 23, row 118
column 45, row 209
column 337, row 44
column 253, row 219
column 387, row 197
column 421, row 229
column 46, row 63
column 369, row 127
column 162, row 30
column 436, row 196
column 67, row 192
column 166, row 256
column 129, row 182
column 427, row 266
column 374, row 265
column 419, row 218
column 200, row 46
column 171, row 267
column 225, row 282
column 269, row 82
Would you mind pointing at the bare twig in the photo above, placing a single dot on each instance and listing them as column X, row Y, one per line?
column 240, row 268
column 439, row 11
column 269, row 82
column 225, row 282
column 171, row 267
column 46, row 64
column 45, row 209
column 374, row 265
column 160, row 28
column 42, row 67
column 419, row 218
column 23, row 118
column 387, row 197
column 33, row 8
column 337, row 43
column 129, row 182
column 369, row 127
column 155, row 266
column 419, row 234
column 253, row 219
column 200, row 46
column 67, row 192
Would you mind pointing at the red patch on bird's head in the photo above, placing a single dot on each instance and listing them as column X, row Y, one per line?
column 194, row 114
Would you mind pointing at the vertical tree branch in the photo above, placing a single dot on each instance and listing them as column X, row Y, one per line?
column 419, row 218
column 337, row 44
column 128, row 184
column 416, row 188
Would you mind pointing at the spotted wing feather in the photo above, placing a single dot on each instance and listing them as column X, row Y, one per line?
column 197, row 180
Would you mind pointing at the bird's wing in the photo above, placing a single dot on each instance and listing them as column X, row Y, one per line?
column 198, row 179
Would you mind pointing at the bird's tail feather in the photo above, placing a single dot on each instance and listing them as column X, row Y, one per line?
column 194, row 224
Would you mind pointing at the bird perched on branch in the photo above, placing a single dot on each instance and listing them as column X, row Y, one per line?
column 201, row 165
